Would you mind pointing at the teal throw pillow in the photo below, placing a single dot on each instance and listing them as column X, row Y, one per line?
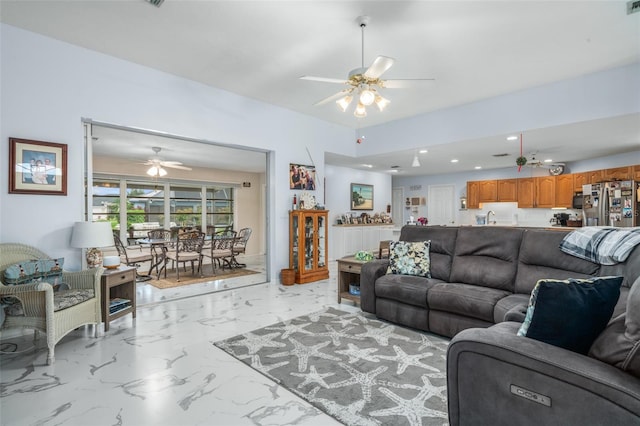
column 409, row 258
column 49, row 270
column 570, row 313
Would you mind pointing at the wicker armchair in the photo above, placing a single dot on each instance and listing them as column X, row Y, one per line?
column 37, row 299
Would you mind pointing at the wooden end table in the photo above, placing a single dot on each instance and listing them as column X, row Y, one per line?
column 348, row 272
column 118, row 287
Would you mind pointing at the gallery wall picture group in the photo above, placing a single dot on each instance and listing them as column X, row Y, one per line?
column 361, row 196
column 302, row 177
column 37, row 167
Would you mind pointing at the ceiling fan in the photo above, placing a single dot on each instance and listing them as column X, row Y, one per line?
column 157, row 164
column 364, row 82
column 554, row 167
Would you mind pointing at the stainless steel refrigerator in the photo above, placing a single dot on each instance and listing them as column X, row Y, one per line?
column 611, row 204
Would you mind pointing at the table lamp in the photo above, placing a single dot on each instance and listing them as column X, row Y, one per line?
column 92, row 235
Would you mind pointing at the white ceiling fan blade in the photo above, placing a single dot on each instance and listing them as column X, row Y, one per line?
column 170, row 163
column 379, row 66
column 176, row 166
column 324, row 79
column 333, row 97
column 403, row 83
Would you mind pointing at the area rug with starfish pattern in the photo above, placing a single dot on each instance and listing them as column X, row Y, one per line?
column 356, row 368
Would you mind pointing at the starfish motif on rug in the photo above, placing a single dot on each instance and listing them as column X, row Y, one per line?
column 256, row 363
column 381, row 335
column 303, row 353
column 413, row 409
column 355, row 353
column 255, row 342
column 289, row 328
column 431, row 341
column 365, row 380
column 350, row 414
column 313, row 377
column 405, row 360
column 336, row 335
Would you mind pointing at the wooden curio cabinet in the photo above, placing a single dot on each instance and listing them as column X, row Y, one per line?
column 308, row 245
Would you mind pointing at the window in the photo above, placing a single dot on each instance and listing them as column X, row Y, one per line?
column 145, row 202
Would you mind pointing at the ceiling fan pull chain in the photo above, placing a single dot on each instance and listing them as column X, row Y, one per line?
column 362, row 25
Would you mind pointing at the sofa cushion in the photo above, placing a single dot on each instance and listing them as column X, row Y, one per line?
column 441, row 250
column 465, row 299
column 487, row 256
column 408, row 289
column 409, row 258
column 511, row 306
column 619, row 343
column 61, row 300
column 570, row 313
column 540, row 258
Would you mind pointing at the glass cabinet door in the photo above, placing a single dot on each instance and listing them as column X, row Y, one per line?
column 295, row 242
column 321, row 242
column 309, row 235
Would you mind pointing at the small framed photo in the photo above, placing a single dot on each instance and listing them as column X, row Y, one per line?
column 302, row 177
column 361, row 196
column 37, row 167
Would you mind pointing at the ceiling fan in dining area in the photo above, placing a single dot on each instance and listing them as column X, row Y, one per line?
column 157, row 164
column 364, row 83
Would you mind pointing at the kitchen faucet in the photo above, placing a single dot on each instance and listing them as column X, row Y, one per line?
column 491, row 212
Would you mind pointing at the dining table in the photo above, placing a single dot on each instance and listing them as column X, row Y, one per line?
column 158, row 247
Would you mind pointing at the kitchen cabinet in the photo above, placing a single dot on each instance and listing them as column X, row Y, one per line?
column 618, row 173
column 580, row 179
column 308, row 245
column 488, row 191
column 508, row 190
column 347, row 240
column 564, row 191
column 473, row 200
column 636, row 172
column 526, row 193
column 545, row 191
column 594, row 176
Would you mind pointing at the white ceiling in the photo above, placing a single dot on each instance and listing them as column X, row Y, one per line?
column 474, row 50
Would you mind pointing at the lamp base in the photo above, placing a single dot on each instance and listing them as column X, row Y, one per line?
column 94, row 258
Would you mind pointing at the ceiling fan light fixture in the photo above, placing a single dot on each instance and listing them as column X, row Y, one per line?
column 367, row 97
column 343, row 103
column 416, row 161
column 156, row 171
column 360, row 111
column 382, row 102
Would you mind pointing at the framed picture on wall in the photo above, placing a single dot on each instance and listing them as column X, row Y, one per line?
column 37, row 167
column 302, row 177
column 361, row 196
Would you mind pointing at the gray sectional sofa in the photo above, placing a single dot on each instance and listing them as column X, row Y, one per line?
column 481, row 280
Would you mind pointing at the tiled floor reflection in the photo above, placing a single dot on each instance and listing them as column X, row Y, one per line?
column 162, row 368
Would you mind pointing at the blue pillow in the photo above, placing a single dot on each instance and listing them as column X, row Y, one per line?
column 571, row 313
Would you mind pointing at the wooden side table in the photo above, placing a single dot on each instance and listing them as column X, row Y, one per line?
column 118, row 293
column 348, row 272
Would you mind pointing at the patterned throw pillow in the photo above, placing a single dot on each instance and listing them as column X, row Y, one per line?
column 409, row 258
column 49, row 270
column 571, row 313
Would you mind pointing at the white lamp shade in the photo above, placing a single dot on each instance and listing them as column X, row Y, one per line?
column 156, row 171
column 92, row 234
column 360, row 111
column 367, row 97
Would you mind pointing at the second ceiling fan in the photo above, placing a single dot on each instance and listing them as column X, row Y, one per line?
column 364, row 83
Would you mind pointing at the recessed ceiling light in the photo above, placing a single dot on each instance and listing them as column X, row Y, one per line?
column 393, row 171
column 367, row 165
column 423, row 151
column 455, row 160
column 477, row 167
column 548, row 160
column 512, row 138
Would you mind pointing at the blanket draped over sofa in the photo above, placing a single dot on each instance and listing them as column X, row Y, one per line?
column 481, row 282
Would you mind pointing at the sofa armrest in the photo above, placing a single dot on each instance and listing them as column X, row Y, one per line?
column 496, row 377
column 369, row 273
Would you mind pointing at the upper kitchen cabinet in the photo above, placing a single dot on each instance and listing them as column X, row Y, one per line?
column 473, row 200
column 526, row 193
column 594, row 176
column 508, row 190
column 618, row 173
column 488, row 191
column 564, row 191
column 636, row 172
column 545, row 191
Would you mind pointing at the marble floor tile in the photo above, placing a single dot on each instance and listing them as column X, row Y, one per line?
column 162, row 367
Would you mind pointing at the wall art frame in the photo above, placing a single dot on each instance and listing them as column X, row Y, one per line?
column 302, row 177
column 37, row 167
column 361, row 196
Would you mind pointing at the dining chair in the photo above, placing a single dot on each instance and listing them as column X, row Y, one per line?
column 160, row 239
column 221, row 251
column 187, row 248
column 134, row 256
column 240, row 246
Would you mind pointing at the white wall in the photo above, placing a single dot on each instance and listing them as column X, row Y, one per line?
column 506, row 213
column 49, row 86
